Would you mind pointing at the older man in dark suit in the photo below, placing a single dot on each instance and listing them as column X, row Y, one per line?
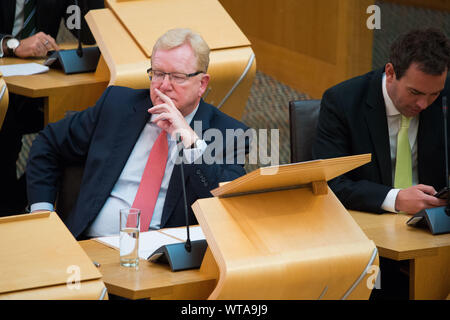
column 117, row 138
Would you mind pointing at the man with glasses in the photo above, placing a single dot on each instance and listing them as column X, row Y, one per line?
column 128, row 145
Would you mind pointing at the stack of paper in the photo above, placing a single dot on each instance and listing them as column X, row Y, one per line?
column 23, row 69
column 195, row 233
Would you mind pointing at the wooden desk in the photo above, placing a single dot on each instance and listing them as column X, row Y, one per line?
column 152, row 280
column 428, row 255
column 61, row 92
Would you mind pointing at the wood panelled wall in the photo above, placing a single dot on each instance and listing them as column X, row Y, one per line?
column 308, row 44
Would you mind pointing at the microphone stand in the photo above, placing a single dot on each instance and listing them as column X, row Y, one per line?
column 178, row 255
column 187, row 245
column 78, row 60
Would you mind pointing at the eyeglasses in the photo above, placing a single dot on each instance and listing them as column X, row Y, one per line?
column 176, row 77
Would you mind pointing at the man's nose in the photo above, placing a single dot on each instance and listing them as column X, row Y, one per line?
column 165, row 84
column 423, row 102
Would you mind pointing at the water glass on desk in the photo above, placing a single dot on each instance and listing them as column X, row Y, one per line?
column 129, row 237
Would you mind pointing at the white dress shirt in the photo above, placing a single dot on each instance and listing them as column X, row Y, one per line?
column 394, row 119
column 18, row 19
column 124, row 191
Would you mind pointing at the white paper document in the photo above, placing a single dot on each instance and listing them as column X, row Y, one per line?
column 195, row 233
column 23, row 69
column 148, row 242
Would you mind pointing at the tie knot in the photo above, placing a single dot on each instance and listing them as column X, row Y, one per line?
column 405, row 122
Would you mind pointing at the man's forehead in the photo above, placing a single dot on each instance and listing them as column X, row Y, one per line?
column 416, row 79
column 183, row 55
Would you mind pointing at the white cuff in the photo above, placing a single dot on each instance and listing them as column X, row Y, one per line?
column 41, row 206
column 190, row 155
column 1, row 44
column 389, row 201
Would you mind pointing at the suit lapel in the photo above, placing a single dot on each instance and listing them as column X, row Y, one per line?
column 175, row 190
column 375, row 114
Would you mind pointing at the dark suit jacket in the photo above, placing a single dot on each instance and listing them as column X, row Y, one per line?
column 102, row 137
column 48, row 16
column 353, row 121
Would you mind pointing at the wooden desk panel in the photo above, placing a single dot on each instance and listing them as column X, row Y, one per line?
column 61, row 92
column 40, row 259
column 429, row 255
column 204, row 16
column 395, row 239
column 151, row 280
column 430, row 276
column 429, row 263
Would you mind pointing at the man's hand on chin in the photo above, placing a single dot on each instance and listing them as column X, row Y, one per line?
column 170, row 119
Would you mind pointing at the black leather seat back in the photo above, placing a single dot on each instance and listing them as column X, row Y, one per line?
column 303, row 117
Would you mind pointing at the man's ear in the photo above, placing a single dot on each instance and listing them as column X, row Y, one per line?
column 390, row 72
column 204, row 83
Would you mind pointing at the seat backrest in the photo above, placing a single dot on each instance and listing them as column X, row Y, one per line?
column 4, row 99
column 303, row 117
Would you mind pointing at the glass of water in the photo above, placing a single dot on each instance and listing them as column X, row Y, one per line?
column 129, row 237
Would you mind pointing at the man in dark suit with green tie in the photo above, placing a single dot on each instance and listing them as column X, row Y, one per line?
column 394, row 113
column 364, row 115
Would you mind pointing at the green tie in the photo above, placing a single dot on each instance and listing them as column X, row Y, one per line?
column 403, row 165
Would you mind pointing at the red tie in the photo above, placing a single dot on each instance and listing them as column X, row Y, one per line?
column 151, row 180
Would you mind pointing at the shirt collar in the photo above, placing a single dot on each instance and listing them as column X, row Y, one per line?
column 191, row 115
column 391, row 110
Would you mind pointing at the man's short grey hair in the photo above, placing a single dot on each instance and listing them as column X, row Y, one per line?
column 177, row 37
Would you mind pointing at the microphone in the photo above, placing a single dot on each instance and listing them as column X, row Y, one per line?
column 178, row 255
column 187, row 245
column 75, row 60
column 437, row 219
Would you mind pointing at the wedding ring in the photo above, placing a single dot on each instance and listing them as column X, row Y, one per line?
column 46, row 42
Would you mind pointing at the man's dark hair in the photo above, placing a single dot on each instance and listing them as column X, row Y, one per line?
column 429, row 48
